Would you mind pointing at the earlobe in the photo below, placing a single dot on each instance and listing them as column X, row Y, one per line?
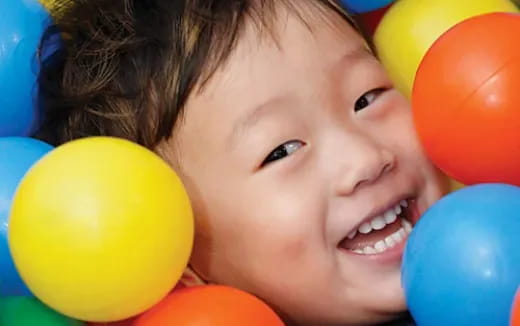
column 191, row 278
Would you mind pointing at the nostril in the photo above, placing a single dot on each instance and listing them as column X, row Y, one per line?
column 387, row 168
column 370, row 167
column 389, row 160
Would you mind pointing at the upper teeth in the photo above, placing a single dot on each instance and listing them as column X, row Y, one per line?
column 389, row 242
column 379, row 222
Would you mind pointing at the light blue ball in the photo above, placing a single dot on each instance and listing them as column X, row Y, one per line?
column 22, row 23
column 17, row 155
column 362, row 6
column 461, row 264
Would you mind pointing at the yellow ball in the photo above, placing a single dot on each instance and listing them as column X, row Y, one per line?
column 410, row 27
column 101, row 229
column 455, row 185
column 55, row 7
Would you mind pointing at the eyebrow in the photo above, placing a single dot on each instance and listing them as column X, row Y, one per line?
column 254, row 116
column 354, row 56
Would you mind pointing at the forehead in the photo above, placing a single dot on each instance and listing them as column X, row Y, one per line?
column 298, row 41
column 267, row 65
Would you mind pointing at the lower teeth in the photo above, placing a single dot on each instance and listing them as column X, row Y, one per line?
column 389, row 242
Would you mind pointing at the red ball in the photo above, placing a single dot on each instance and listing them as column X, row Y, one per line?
column 210, row 305
column 466, row 100
column 369, row 21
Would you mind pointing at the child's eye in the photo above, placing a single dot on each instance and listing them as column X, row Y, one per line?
column 282, row 151
column 367, row 99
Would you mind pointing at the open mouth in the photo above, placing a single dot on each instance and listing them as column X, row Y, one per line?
column 382, row 232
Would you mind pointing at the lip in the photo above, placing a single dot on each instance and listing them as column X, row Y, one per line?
column 414, row 211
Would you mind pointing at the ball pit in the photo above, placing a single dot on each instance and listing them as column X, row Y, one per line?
column 460, row 266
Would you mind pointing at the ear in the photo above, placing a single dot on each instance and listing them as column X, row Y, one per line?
column 191, row 278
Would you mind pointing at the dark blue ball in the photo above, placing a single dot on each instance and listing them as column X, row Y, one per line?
column 362, row 6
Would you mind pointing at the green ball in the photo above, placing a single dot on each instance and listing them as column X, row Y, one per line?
column 28, row 311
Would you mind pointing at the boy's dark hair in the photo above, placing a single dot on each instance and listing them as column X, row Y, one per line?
column 126, row 68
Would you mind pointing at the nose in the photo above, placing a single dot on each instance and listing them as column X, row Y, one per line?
column 364, row 164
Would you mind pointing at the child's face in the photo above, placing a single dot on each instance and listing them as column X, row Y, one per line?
column 287, row 150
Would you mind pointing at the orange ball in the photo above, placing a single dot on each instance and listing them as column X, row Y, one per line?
column 515, row 315
column 466, row 100
column 210, row 305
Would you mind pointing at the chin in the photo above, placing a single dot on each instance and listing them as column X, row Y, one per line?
column 387, row 299
column 389, row 305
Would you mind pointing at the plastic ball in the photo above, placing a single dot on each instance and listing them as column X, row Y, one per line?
column 410, row 27
column 126, row 322
column 361, row 6
column 55, row 7
column 369, row 21
column 25, row 311
column 465, row 100
column 461, row 264
column 515, row 311
column 210, row 305
column 52, row 4
column 454, row 185
column 101, row 229
column 18, row 154
column 21, row 26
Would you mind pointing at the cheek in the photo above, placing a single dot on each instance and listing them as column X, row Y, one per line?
column 275, row 227
column 261, row 235
column 406, row 138
column 414, row 158
column 401, row 130
column 395, row 129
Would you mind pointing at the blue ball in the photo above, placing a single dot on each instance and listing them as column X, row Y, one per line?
column 18, row 154
column 461, row 264
column 22, row 23
column 362, row 6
